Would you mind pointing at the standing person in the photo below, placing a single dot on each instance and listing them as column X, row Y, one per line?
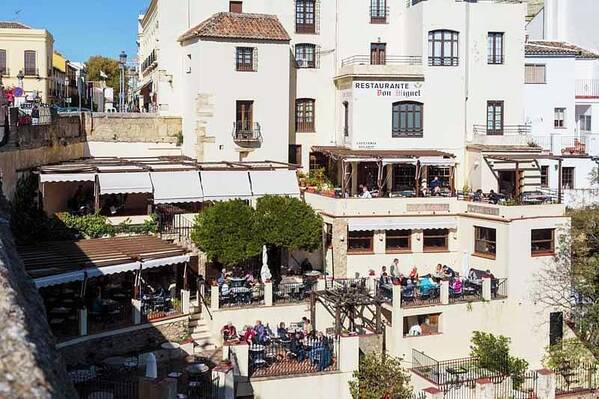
column 384, row 278
column 394, row 269
column 436, row 186
column 307, row 326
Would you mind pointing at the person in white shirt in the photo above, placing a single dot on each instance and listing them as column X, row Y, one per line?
column 365, row 193
column 415, row 330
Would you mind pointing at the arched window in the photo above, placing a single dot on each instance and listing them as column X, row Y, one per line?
column 407, row 119
column 304, row 115
column 443, row 48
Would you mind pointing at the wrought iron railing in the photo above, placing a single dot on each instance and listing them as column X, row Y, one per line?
column 388, row 60
column 278, row 358
column 242, row 296
column 245, row 132
column 345, row 282
column 383, row 291
column 505, row 130
column 414, row 297
column 470, row 292
column 293, row 292
column 499, row 288
column 580, row 379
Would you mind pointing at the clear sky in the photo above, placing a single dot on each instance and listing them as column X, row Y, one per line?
column 81, row 28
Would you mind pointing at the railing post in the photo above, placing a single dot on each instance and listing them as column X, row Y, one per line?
column 486, row 289
column 185, row 301
column 268, row 293
column 321, row 283
column 545, row 384
column 444, row 292
column 136, row 314
column 226, row 381
column 242, row 354
column 83, row 322
column 214, row 297
column 397, row 324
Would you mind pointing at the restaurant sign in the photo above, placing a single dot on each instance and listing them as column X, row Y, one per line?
column 390, row 89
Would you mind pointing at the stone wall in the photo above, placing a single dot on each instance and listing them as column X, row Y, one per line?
column 132, row 128
column 340, row 248
column 134, row 340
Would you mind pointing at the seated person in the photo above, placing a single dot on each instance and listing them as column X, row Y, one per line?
column 478, row 195
column 427, row 286
column 261, row 334
column 229, row 332
column 249, row 279
column 249, row 335
column 221, row 277
column 384, row 279
column 307, row 326
column 456, row 286
column 415, row 330
column 413, row 274
column 297, row 348
column 435, row 186
column 493, row 197
column 320, row 353
column 448, row 272
column 282, row 332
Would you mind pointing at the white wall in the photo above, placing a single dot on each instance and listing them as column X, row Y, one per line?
column 320, row 386
column 572, row 21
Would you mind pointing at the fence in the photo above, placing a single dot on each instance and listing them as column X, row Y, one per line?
column 292, row 292
column 499, row 288
column 412, row 297
column 345, row 282
column 242, row 296
column 101, row 389
column 278, row 358
column 383, row 291
column 581, row 379
column 173, row 223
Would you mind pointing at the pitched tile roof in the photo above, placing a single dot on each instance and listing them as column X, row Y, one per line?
column 13, row 25
column 544, row 47
column 239, row 26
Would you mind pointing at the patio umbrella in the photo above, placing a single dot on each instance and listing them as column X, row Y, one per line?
column 465, row 264
column 151, row 367
column 265, row 271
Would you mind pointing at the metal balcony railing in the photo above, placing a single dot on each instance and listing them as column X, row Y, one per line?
column 389, row 60
column 505, row 130
column 587, row 88
column 245, row 132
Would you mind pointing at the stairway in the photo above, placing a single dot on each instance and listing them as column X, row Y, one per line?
column 200, row 333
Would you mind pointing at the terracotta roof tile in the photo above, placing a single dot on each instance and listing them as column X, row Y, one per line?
column 543, row 47
column 13, row 25
column 239, row 26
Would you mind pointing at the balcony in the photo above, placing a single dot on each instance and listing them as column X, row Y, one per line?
column 379, row 15
column 587, row 89
column 361, row 65
column 247, row 134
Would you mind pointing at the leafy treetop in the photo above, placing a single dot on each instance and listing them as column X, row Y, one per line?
column 107, row 65
column 380, row 376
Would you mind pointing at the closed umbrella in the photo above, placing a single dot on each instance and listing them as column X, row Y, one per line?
column 265, row 271
column 151, row 367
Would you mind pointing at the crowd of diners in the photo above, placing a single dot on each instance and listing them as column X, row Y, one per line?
column 427, row 286
column 298, row 341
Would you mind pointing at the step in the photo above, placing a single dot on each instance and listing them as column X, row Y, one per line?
column 195, row 316
column 200, row 349
column 201, row 335
column 197, row 323
column 199, row 330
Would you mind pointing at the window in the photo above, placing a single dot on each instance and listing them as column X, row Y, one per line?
column 245, row 59
column 304, row 115
column 378, row 53
column 359, row 241
column 378, row 11
column 3, row 69
column 583, row 120
column 295, row 154
column 30, row 63
column 305, row 55
column 328, row 235
column 305, row 16
column 435, row 240
column 426, row 324
column 404, row 177
column 545, row 176
column 398, row 240
column 559, row 119
column 443, row 48
column 407, row 119
column 485, row 242
column 542, row 242
column 443, row 173
column 244, row 117
column 236, row 6
column 495, row 117
column 535, row 74
column 556, row 327
column 495, row 48
column 568, row 177
column 345, row 119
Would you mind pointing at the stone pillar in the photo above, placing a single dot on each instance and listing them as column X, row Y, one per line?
column 226, row 380
column 349, row 353
column 486, row 289
column 136, row 305
column 268, row 293
column 397, row 322
column 214, row 297
column 433, row 393
column 321, row 283
column 242, row 353
column 484, row 389
column 83, row 322
column 546, row 384
column 339, row 264
column 185, row 301
column 444, row 292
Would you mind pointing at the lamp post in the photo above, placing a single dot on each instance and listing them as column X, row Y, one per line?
column 122, row 63
column 66, row 91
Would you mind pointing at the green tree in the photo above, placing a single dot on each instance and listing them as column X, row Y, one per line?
column 288, row 223
column 493, row 353
column 226, row 232
column 107, row 65
column 380, row 376
column 569, row 353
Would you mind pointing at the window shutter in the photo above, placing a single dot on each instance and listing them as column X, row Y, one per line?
column 317, row 57
column 255, row 58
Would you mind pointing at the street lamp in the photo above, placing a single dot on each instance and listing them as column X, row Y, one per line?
column 122, row 63
column 66, row 91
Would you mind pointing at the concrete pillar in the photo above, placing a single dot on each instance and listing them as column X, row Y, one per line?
column 486, row 289
column 349, row 353
column 396, row 296
column 268, row 293
column 484, row 389
column 546, row 384
column 556, row 144
column 136, row 305
column 83, row 322
column 226, row 350
column 433, row 393
column 185, row 301
column 397, row 322
column 444, row 292
column 242, row 353
column 214, row 297
column 321, row 283
column 226, row 381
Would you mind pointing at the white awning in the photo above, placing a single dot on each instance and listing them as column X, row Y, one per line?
column 222, row 185
column 106, row 270
column 173, row 260
column 391, row 161
column 274, row 182
column 125, row 183
column 177, row 187
column 59, row 279
column 436, row 161
column 66, row 177
column 399, row 223
column 372, row 159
